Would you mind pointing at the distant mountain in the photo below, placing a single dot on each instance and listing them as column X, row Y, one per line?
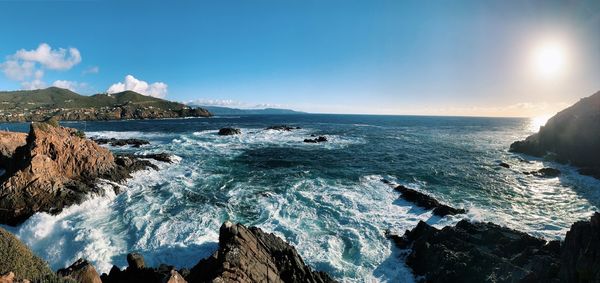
column 219, row 110
column 35, row 105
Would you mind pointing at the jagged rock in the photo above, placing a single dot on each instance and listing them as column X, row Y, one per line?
column 250, row 255
column 174, row 277
column 316, row 140
column 282, row 128
column 135, row 261
column 9, row 142
column 229, row 132
column 425, row 201
column 572, row 135
column 81, row 271
column 479, row 252
column 18, row 259
column 580, row 259
column 56, row 168
column 504, row 164
column 122, row 142
column 544, row 173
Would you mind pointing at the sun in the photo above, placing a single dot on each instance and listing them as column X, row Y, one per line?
column 549, row 60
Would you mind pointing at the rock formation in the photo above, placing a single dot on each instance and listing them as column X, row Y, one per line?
column 282, row 128
column 544, row 173
column 229, row 131
column 316, row 140
column 479, row 252
column 55, row 168
column 485, row 252
column 572, row 135
column 81, row 271
column 424, row 201
column 122, row 142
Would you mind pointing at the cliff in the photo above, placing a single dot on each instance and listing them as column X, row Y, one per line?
column 572, row 135
column 63, row 104
column 52, row 168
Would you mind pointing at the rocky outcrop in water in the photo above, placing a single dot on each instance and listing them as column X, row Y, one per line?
column 121, row 142
column 316, row 140
column 479, row 252
column 229, row 131
column 244, row 255
column 544, row 173
column 485, row 252
column 55, row 168
column 423, row 200
column 572, row 135
column 282, row 128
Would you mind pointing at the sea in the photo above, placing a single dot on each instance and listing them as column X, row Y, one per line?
column 326, row 199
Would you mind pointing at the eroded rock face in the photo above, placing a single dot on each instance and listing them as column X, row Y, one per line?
column 9, row 142
column 580, row 259
column 479, row 252
column 55, row 168
column 251, row 255
column 572, row 135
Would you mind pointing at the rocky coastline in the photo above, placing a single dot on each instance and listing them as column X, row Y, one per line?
column 570, row 136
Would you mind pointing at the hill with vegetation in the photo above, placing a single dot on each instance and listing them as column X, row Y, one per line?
column 220, row 110
column 63, row 104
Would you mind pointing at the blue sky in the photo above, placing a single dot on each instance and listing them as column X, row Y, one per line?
column 388, row 57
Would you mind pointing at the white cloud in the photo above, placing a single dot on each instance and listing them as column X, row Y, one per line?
column 157, row 89
column 70, row 85
column 53, row 59
column 27, row 66
column 91, row 70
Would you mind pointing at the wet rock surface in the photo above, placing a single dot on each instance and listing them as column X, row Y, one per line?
column 316, row 140
column 544, row 173
column 80, row 271
column 121, row 142
column 229, row 131
column 282, row 128
column 423, row 200
column 479, row 252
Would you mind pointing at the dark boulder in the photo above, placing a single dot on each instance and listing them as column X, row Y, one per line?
column 122, row 142
column 316, row 140
column 282, row 128
column 229, row 132
column 135, row 261
column 427, row 202
column 479, row 252
column 544, row 173
column 504, row 164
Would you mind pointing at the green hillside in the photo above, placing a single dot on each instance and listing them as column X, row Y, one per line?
column 54, row 97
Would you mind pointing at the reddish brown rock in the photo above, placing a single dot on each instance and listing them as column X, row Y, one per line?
column 81, row 272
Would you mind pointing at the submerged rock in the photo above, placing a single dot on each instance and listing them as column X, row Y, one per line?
column 316, row 140
column 479, row 252
column 504, row 164
column 229, row 131
column 544, row 173
column 55, row 168
column 251, row 255
column 122, row 142
column 282, row 128
column 425, row 201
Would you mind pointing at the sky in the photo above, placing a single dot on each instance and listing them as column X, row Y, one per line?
column 466, row 58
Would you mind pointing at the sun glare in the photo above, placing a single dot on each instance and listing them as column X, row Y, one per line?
column 536, row 122
column 549, row 60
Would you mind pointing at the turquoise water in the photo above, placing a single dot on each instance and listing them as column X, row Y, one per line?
column 325, row 199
